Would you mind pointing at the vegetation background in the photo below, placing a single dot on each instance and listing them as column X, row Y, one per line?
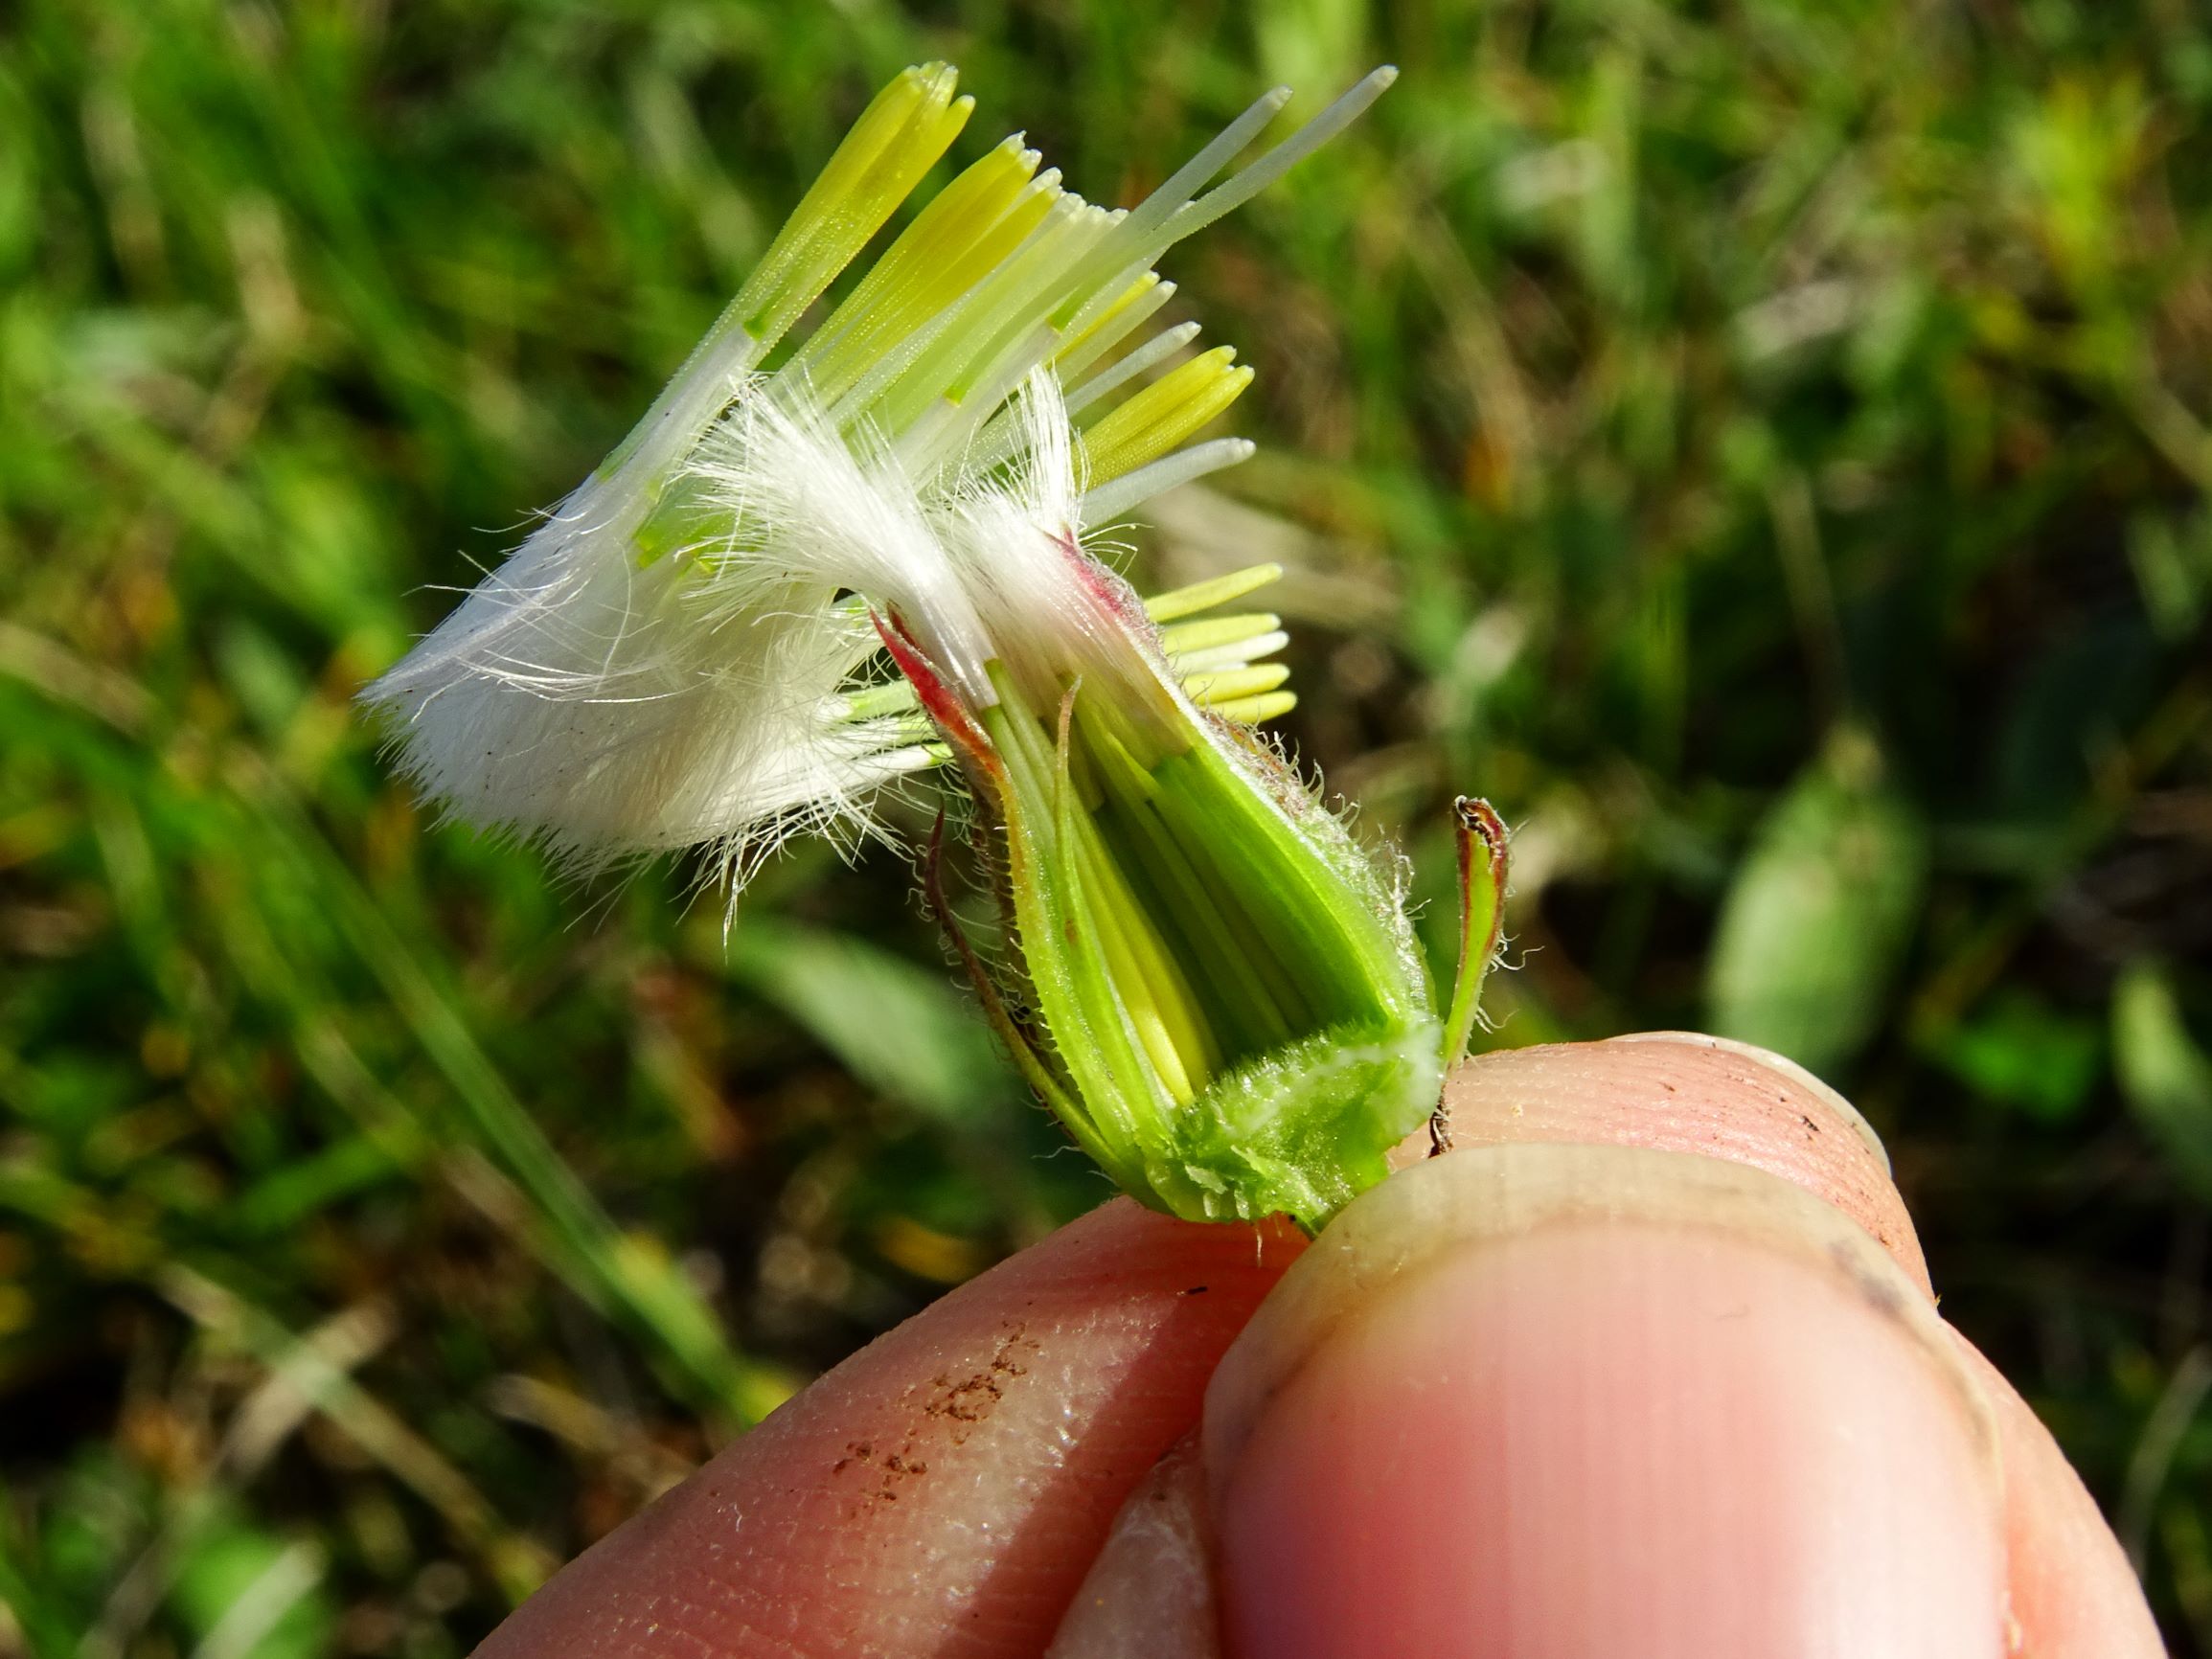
column 1763, row 446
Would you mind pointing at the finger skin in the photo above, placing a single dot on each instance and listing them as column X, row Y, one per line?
column 776, row 1548
column 1676, row 1092
column 1671, row 1448
column 943, row 1490
column 2073, row 1593
column 1573, row 1401
column 1150, row 1590
column 2068, row 1592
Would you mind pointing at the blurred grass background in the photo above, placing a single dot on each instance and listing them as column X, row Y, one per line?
column 1763, row 446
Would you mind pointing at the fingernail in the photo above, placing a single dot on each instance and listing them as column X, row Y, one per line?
column 1808, row 1080
column 1588, row 1400
column 1149, row 1594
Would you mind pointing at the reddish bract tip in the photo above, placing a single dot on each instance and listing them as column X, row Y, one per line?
column 937, row 700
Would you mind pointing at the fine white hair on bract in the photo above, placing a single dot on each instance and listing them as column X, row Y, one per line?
column 608, row 707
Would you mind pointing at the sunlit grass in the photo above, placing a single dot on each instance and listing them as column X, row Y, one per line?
column 1765, row 455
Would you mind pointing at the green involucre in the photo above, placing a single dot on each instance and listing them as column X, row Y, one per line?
column 1231, row 1015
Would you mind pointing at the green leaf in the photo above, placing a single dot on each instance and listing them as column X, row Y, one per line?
column 246, row 1593
column 2027, row 1054
column 904, row 1030
column 2164, row 1075
column 1819, row 913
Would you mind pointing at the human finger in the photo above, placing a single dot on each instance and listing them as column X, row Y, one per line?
column 1577, row 1400
column 1821, row 1449
column 942, row 1490
column 1685, row 1092
column 2072, row 1592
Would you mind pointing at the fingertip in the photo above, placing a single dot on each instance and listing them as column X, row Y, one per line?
column 945, row 1488
column 1593, row 1400
column 1806, row 1080
column 1679, row 1092
column 2072, row 1592
column 1150, row 1590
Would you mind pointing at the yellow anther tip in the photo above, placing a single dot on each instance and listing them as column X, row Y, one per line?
column 1252, row 710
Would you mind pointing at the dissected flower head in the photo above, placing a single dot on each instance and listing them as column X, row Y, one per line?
column 807, row 579
column 649, row 671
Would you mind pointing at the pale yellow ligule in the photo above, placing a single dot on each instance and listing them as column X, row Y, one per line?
column 1159, row 418
column 970, row 226
column 896, row 141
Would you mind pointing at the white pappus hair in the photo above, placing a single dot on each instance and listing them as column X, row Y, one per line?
column 608, row 706
column 732, row 693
